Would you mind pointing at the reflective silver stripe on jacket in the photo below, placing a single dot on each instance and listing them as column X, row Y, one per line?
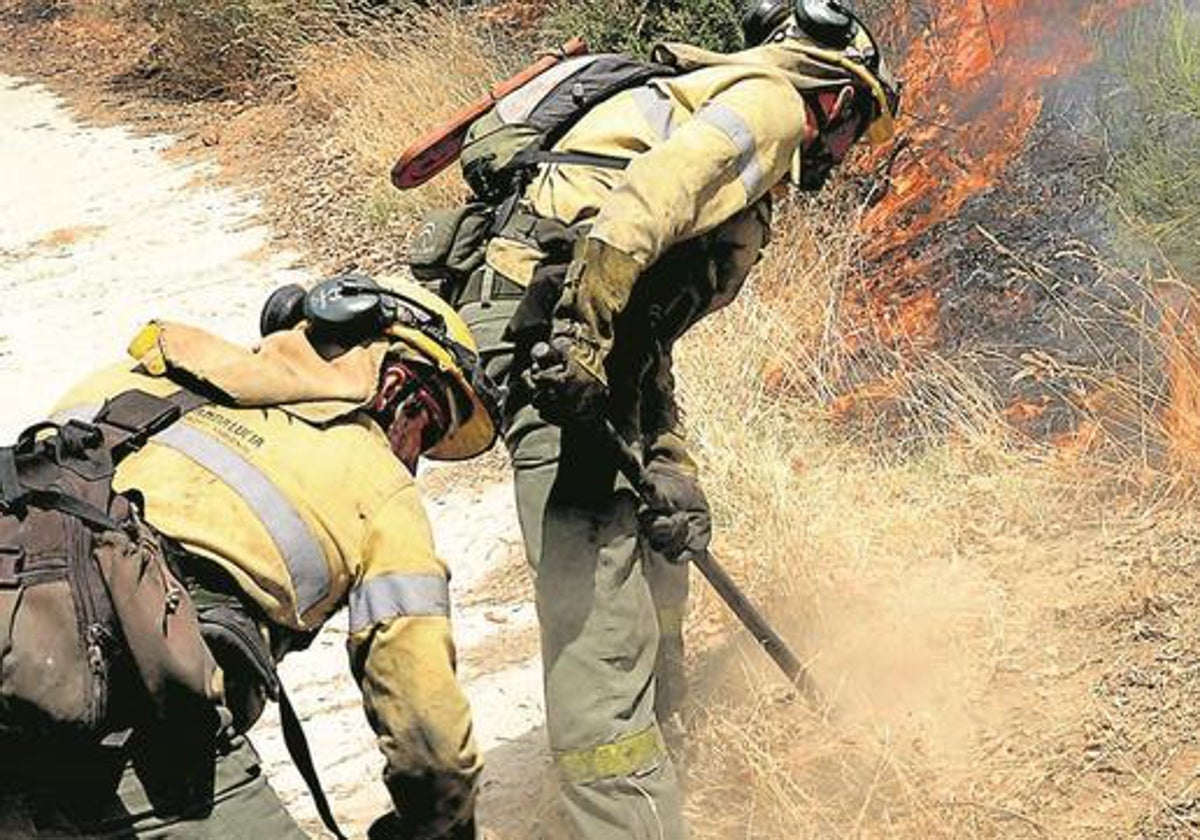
column 656, row 108
column 734, row 127
column 84, row 413
column 291, row 535
column 382, row 598
column 293, row 539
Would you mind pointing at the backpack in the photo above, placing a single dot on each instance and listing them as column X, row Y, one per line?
column 504, row 146
column 500, row 154
column 96, row 634
column 502, row 150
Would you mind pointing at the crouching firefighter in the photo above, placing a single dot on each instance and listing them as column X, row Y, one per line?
column 190, row 516
column 619, row 202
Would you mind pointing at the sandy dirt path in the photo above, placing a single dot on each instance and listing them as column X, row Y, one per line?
column 100, row 232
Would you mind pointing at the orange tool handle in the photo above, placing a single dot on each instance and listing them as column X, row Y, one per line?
column 440, row 147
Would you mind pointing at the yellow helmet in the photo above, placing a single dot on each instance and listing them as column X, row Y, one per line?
column 865, row 63
column 351, row 308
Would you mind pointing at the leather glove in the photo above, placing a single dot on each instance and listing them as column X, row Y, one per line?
column 567, row 378
column 565, row 386
column 675, row 520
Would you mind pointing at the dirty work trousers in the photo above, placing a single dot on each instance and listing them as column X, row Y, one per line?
column 242, row 807
column 600, row 631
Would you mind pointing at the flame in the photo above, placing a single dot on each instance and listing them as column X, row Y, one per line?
column 975, row 77
column 869, row 401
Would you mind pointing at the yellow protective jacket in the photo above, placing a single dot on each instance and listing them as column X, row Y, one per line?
column 685, row 222
column 289, row 487
column 705, row 145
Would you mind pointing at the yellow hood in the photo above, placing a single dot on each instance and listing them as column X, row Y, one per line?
column 808, row 66
column 283, row 371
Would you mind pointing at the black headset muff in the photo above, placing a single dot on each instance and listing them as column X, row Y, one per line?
column 828, row 22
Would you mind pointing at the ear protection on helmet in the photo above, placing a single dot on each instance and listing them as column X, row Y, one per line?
column 348, row 308
column 282, row 310
column 828, row 22
column 762, row 17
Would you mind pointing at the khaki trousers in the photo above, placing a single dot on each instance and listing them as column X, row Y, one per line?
column 600, row 631
column 242, row 806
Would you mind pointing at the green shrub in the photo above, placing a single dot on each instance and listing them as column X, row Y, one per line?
column 1156, row 134
column 636, row 25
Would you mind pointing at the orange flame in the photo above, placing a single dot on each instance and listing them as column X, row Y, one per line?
column 974, row 79
column 976, row 74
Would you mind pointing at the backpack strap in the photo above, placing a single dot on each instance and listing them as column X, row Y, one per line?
column 133, row 417
column 298, row 749
column 53, row 499
column 229, row 624
column 89, row 449
column 10, row 482
column 578, row 159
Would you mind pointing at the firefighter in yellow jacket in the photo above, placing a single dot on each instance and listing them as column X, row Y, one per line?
column 594, row 273
column 288, row 493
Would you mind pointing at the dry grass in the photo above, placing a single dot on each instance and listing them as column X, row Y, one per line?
column 209, row 48
column 314, row 106
column 33, row 10
column 323, row 151
column 379, row 92
column 946, row 598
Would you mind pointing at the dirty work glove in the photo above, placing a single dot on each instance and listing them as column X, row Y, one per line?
column 568, row 378
column 564, row 386
column 675, row 521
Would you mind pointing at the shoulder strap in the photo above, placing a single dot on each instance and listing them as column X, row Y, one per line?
column 133, row 417
column 10, row 481
column 298, row 749
column 89, row 449
column 580, row 159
